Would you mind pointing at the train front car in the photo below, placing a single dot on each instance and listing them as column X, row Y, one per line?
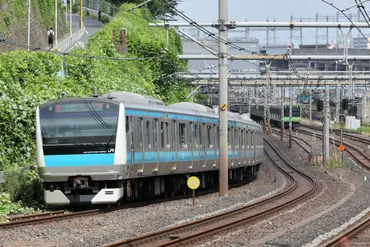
column 78, row 155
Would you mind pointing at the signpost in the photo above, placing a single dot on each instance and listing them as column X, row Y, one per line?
column 193, row 183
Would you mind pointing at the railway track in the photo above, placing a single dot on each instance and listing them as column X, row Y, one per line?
column 355, row 152
column 350, row 235
column 44, row 217
column 305, row 145
column 301, row 186
column 31, row 219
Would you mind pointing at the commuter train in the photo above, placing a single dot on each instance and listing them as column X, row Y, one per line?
column 275, row 115
column 123, row 146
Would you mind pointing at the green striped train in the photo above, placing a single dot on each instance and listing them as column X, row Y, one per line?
column 275, row 115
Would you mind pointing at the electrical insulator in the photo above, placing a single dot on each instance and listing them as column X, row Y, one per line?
column 344, row 104
column 320, row 105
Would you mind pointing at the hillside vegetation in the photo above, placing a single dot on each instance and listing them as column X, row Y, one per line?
column 14, row 20
column 29, row 78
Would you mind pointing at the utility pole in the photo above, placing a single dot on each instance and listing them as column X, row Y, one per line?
column 223, row 74
column 81, row 14
column 282, row 116
column 29, row 26
column 265, row 111
column 268, row 95
column 56, row 22
column 290, row 115
column 310, row 105
column 337, row 105
column 70, row 17
column 326, row 125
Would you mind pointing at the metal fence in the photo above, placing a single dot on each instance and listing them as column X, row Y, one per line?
column 108, row 9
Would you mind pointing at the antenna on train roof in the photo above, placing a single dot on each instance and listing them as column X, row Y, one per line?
column 95, row 93
column 109, row 94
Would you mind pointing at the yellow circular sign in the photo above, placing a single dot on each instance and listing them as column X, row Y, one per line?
column 193, row 182
column 223, row 107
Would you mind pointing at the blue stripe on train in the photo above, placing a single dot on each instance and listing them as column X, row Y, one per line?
column 79, row 160
column 149, row 157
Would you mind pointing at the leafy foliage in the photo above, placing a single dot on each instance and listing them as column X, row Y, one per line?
column 156, row 7
column 30, row 78
column 7, row 207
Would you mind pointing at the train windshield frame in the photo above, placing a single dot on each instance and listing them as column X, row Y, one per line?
column 79, row 122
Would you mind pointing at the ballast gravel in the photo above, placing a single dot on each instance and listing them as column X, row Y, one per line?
column 110, row 227
column 342, row 194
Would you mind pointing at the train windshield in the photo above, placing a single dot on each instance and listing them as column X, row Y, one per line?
column 79, row 123
column 296, row 112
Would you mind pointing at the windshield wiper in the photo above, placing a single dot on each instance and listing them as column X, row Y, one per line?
column 110, row 138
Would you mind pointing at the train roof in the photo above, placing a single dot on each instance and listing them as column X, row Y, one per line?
column 127, row 97
column 143, row 102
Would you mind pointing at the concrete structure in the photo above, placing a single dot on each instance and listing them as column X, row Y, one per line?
column 361, row 43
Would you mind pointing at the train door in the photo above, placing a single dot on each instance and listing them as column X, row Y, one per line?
column 130, row 141
column 241, row 146
column 197, row 148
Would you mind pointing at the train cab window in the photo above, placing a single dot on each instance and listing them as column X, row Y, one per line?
column 182, row 135
column 127, row 125
column 165, row 139
column 155, row 137
column 209, row 136
column 147, row 135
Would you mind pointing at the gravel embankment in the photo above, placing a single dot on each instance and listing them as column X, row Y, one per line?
column 113, row 226
column 341, row 196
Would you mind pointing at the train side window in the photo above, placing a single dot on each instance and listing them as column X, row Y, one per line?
column 147, row 135
column 228, row 137
column 165, row 135
column 217, row 144
column 155, row 136
column 182, row 135
column 195, row 131
column 200, row 135
column 127, row 125
column 140, row 131
column 209, row 137
column 242, row 138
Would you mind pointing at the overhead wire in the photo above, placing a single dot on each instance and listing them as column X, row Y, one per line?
column 361, row 8
column 349, row 19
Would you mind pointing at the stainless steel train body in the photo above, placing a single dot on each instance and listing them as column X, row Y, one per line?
column 99, row 150
column 257, row 114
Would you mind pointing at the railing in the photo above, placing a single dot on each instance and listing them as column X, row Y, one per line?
column 69, row 42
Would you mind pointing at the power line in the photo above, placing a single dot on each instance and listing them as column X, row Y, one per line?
column 361, row 8
column 342, row 11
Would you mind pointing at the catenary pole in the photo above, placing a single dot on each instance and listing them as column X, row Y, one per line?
column 81, row 13
column 290, row 114
column 29, row 26
column 282, row 116
column 326, row 125
column 223, row 75
column 70, row 18
column 56, row 22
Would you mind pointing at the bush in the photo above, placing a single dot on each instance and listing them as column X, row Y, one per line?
column 24, row 186
column 7, row 207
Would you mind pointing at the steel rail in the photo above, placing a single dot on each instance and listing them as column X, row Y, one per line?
column 233, row 218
